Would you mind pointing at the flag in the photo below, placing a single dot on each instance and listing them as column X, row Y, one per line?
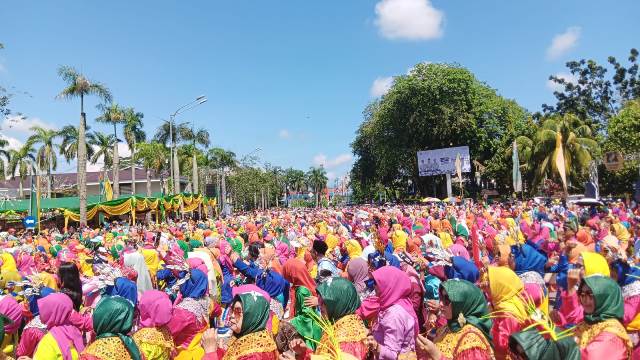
column 517, row 176
column 108, row 191
column 459, row 169
column 559, row 161
column 34, row 201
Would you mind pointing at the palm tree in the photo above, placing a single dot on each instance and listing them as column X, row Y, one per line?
column 199, row 137
column 221, row 159
column 153, row 156
column 165, row 134
column 69, row 144
column 4, row 153
column 22, row 162
column 46, row 157
column 133, row 134
column 114, row 115
column 79, row 86
column 103, row 146
column 317, row 180
column 578, row 146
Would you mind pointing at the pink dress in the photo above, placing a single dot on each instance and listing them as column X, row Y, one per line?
column 33, row 332
column 395, row 332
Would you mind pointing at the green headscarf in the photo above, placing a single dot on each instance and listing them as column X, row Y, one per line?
column 115, row 251
column 340, row 297
column 3, row 321
column 195, row 243
column 535, row 346
column 185, row 248
column 114, row 317
column 607, row 296
column 468, row 300
column 236, row 245
column 303, row 321
column 54, row 250
column 255, row 312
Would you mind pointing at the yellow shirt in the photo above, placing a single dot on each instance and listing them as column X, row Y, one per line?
column 48, row 349
column 152, row 260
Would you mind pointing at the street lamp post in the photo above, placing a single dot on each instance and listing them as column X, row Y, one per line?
column 175, row 170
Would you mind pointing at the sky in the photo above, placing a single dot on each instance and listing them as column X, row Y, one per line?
column 290, row 78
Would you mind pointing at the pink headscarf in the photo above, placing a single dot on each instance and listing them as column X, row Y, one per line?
column 155, row 308
column 225, row 249
column 394, row 288
column 25, row 264
column 283, row 252
column 55, row 312
column 358, row 270
column 197, row 263
column 10, row 308
column 459, row 250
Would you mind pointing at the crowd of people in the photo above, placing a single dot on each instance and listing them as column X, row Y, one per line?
column 518, row 280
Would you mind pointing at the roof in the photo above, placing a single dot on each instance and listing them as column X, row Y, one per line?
column 93, row 177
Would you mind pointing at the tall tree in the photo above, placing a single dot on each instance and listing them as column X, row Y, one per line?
column 23, row 162
column 195, row 137
column 114, row 115
column 133, row 134
column 46, row 156
column 169, row 134
column 222, row 160
column 103, row 149
column 4, row 157
column 153, row 156
column 317, row 180
column 593, row 95
column 79, row 86
column 69, row 144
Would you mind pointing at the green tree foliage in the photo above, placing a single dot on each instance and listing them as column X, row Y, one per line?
column 46, row 159
column 434, row 106
column 317, row 181
column 595, row 96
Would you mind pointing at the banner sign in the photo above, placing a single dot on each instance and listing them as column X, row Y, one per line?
column 443, row 161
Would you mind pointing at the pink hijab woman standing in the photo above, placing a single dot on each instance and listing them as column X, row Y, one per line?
column 153, row 338
column 64, row 340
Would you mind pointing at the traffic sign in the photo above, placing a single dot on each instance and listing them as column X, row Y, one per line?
column 29, row 222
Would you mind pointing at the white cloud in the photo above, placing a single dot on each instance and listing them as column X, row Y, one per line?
column 123, row 151
column 409, row 19
column 563, row 43
column 381, row 86
column 284, row 134
column 330, row 177
column 322, row 160
column 14, row 143
column 19, row 124
column 553, row 86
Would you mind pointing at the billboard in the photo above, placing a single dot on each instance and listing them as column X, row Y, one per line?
column 443, row 161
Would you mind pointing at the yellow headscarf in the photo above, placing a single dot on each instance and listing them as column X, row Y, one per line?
column 332, row 241
column 353, row 248
column 505, row 287
column 399, row 240
column 8, row 262
column 445, row 239
column 595, row 263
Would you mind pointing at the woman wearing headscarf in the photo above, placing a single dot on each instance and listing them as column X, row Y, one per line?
column 461, row 268
column 10, row 308
column 304, row 321
column 505, row 289
column 35, row 329
column 227, row 272
column 467, row 335
column 153, row 338
column 397, row 323
column 358, row 273
column 63, row 340
column 124, row 288
column 190, row 316
column 112, row 321
column 628, row 278
column 529, row 264
column 296, row 273
column 135, row 260
column 601, row 335
column 248, row 321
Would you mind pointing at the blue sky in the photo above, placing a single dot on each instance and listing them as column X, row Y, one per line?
column 290, row 77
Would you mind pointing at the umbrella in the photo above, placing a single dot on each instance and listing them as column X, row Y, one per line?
column 588, row 202
column 430, row 200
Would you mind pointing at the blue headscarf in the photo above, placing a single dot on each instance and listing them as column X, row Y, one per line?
column 125, row 288
column 528, row 259
column 196, row 286
column 626, row 273
column 33, row 300
column 462, row 268
column 273, row 283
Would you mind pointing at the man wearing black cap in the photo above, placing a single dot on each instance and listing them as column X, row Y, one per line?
column 326, row 267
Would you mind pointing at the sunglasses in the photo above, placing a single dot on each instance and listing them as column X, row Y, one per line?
column 585, row 293
column 444, row 299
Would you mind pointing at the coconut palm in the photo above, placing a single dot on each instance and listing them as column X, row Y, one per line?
column 79, row 86
column 45, row 158
column 69, row 144
column 103, row 145
column 222, row 160
column 153, row 156
column 169, row 134
column 133, row 134
column 578, row 146
column 199, row 137
column 317, row 180
column 23, row 162
column 114, row 115
column 4, row 157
